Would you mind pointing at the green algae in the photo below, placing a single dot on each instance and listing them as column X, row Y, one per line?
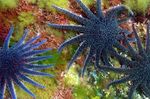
column 47, row 4
column 23, row 20
column 139, row 6
column 7, row 4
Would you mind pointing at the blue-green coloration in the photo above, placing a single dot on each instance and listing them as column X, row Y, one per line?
column 138, row 71
column 99, row 33
column 16, row 63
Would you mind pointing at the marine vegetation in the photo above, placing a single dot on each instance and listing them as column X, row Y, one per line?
column 139, row 6
column 6, row 4
column 138, row 68
column 18, row 61
column 102, row 40
column 99, row 33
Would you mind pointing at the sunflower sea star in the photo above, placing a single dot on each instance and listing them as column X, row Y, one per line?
column 16, row 64
column 138, row 71
column 100, row 33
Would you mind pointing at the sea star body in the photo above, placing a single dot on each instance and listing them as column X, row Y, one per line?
column 16, row 63
column 99, row 33
column 138, row 71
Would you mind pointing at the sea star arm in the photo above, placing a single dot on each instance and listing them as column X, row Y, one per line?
column 130, row 49
column 80, row 49
column 74, row 16
column 148, row 38
column 75, row 39
column 27, row 44
column 105, row 58
column 21, row 85
column 32, row 72
column 123, row 20
column 2, row 88
column 36, row 66
column 7, row 40
column 139, row 44
column 119, row 46
column 11, row 88
column 133, row 88
column 31, row 47
column 27, row 79
column 86, row 10
column 122, row 80
column 99, row 9
column 34, row 52
column 119, row 57
column 116, row 70
column 98, row 55
column 87, row 60
column 146, row 90
column 76, row 28
column 22, row 39
column 35, row 59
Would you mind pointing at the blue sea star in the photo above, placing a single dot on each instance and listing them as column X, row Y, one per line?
column 138, row 71
column 100, row 33
column 16, row 64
